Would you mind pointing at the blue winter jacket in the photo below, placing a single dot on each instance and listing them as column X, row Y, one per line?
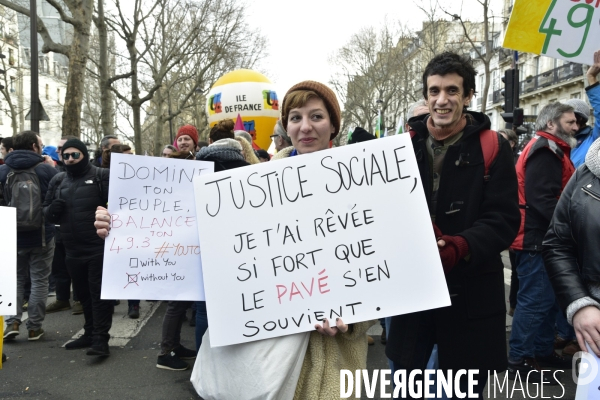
column 23, row 159
column 588, row 135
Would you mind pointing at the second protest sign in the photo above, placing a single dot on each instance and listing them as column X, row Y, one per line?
column 152, row 251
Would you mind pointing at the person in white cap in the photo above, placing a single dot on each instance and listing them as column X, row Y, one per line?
column 586, row 135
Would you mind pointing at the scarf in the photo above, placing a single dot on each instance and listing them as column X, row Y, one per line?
column 79, row 169
column 441, row 134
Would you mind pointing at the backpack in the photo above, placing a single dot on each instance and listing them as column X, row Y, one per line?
column 490, row 147
column 23, row 192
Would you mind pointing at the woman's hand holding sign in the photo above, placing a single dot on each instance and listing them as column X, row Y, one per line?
column 332, row 330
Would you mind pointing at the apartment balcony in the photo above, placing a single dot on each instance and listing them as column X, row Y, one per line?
column 551, row 77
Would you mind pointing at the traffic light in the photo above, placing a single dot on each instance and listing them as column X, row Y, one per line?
column 509, row 90
column 518, row 117
column 512, row 115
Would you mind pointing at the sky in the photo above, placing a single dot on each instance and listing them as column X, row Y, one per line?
column 302, row 35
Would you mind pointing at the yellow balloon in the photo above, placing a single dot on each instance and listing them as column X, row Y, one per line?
column 249, row 94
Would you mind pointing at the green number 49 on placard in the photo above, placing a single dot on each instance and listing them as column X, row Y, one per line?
column 549, row 27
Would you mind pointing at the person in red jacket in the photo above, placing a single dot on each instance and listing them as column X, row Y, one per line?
column 543, row 170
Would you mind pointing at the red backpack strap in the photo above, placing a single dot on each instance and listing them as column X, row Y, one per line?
column 490, row 147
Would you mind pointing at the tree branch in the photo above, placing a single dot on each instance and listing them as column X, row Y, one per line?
column 69, row 20
column 117, row 77
column 49, row 44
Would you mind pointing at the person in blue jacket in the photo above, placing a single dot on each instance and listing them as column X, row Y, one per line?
column 586, row 134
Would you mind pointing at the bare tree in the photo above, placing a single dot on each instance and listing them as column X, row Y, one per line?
column 104, row 69
column 371, row 68
column 180, row 64
column 228, row 45
column 78, row 14
column 484, row 50
column 13, row 110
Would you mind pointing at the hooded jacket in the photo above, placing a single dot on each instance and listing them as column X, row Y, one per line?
column 588, row 135
column 83, row 193
column 225, row 153
column 24, row 159
column 486, row 214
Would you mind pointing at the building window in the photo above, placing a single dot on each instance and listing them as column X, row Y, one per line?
column 12, row 84
column 534, row 109
column 47, row 92
column 576, row 95
column 27, row 54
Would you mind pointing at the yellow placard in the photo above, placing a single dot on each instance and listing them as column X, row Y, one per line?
column 523, row 27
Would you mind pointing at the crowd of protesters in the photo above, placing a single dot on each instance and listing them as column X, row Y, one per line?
column 483, row 198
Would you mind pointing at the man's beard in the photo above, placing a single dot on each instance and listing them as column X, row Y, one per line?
column 565, row 136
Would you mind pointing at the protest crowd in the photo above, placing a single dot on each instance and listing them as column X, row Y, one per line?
column 483, row 198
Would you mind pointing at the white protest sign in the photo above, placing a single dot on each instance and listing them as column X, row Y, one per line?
column 152, row 251
column 343, row 232
column 8, row 266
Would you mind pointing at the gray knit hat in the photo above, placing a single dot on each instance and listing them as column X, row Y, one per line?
column 582, row 109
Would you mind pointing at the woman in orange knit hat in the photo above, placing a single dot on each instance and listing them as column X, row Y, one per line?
column 310, row 114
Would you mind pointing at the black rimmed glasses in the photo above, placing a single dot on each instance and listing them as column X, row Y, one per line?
column 75, row 155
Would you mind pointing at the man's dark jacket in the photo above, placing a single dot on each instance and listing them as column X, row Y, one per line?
column 571, row 251
column 23, row 159
column 83, row 194
column 470, row 334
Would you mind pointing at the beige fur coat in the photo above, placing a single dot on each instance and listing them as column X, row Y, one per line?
column 326, row 355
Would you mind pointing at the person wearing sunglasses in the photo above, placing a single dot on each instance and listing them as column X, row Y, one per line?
column 71, row 202
column 62, row 279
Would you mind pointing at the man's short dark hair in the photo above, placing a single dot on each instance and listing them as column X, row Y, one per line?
column 447, row 63
column 106, row 140
column 8, row 143
column 25, row 140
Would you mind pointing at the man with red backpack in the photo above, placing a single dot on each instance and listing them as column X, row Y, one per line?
column 24, row 181
column 543, row 170
column 469, row 179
